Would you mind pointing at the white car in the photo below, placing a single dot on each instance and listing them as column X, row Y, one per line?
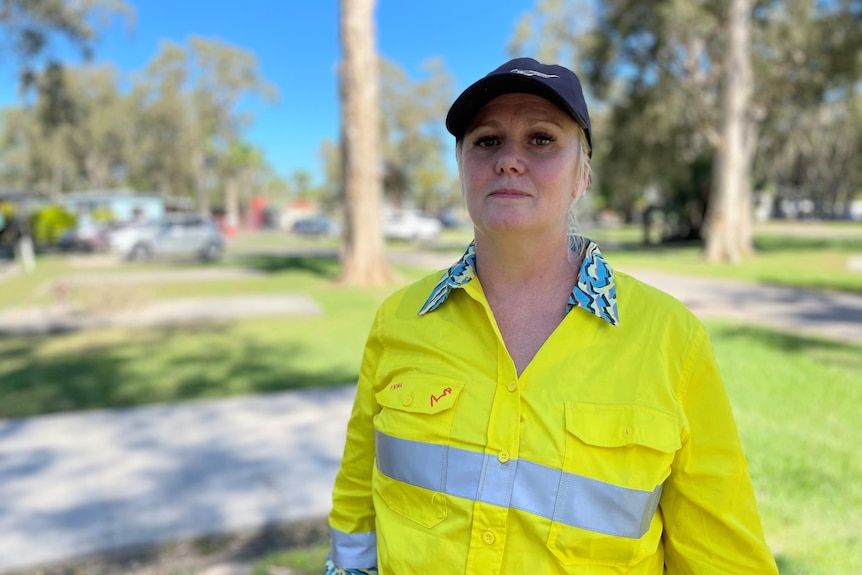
column 410, row 225
column 186, row 235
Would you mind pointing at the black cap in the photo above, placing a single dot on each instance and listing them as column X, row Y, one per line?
column 554, row 83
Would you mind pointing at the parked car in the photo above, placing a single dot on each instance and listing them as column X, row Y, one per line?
column 316, row 226
column 86, row 238
column 186, row 235
column 410, row 225
column 451, row 220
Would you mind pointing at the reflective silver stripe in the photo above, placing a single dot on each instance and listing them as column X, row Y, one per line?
column 353, row 550
column 550, row 493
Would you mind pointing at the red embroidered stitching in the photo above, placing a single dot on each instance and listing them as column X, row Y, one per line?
column 435, row 399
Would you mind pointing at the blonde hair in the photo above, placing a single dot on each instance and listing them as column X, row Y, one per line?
column 577, row 242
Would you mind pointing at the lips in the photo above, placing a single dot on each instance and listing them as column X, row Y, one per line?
column 508, row 193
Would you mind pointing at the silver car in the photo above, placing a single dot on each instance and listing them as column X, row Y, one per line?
column 176, row 236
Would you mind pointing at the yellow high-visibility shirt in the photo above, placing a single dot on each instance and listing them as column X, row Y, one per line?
column 614, row 452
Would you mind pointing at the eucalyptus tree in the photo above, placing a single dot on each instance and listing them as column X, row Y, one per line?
column 165, row 134
column 29, row 30
column 103, row 133
column 332, row 190
column 363, row 256
column 82, row 145
column 191, row 96
column 35, row 160
column 222, row 77
column 414, row 140
column 242, row 174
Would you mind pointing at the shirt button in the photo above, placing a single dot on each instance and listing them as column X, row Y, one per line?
column 408, row 399
column 488, row 537
column 513, row 385
column 503, row 456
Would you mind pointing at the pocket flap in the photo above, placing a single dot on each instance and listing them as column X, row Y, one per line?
column 420, row 394
column 623, row 425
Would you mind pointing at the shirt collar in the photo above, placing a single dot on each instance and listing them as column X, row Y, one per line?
column 594, row 292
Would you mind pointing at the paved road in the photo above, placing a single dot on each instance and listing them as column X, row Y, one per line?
column 811, row 313
column 74, row 484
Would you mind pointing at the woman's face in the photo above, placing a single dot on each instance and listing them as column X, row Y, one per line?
column 519, row 166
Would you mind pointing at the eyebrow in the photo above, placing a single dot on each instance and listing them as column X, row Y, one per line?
column 494, row 123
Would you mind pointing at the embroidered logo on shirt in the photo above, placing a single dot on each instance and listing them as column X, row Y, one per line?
column 436, row 398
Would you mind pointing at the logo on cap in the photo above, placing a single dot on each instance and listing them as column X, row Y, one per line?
column 532, row 73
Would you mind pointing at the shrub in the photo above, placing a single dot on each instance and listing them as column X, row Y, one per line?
column 48, row 223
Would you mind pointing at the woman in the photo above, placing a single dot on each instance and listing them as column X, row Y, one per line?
column 533, row 410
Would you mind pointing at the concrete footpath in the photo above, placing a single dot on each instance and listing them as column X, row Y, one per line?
column 82, row 483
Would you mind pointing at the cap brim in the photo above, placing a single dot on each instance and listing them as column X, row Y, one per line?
column 480, row 93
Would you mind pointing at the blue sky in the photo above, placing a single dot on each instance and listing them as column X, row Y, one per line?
column 296, row 43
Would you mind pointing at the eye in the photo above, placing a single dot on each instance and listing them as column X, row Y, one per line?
column 543, row 139
column 486, row 141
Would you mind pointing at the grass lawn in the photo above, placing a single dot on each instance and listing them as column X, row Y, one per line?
column 126, row 367
column 797, row 404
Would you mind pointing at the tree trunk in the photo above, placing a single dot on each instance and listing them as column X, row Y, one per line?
column 745, row 239
column 729, row 219
column 199, row 167
column 231, row 205
column 363, row 256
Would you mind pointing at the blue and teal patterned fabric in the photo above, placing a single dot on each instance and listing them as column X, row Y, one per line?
column 594, row 292
column 331, row 569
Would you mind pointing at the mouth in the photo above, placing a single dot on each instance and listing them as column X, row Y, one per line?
column 508, row 193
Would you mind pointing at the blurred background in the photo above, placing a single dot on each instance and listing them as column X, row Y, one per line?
column 176, row 223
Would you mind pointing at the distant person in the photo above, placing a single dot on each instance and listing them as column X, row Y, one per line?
column 533, row 410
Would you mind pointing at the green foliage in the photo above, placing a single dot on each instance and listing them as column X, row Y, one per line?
column 414, row 140
column 176, row 130
column 29, row 28
column 48, row 223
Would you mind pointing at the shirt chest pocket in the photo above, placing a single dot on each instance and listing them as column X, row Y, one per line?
column 617, row 457
column 412, row 434
column 418, row 407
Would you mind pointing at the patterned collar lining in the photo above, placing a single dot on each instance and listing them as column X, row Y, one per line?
column 595, row 290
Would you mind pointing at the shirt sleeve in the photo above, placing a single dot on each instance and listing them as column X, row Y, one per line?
column 711, row 524
column 353, row 541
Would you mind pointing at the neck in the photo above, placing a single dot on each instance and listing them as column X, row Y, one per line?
column 525, row 263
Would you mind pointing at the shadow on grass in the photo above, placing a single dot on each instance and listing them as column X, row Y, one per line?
column 324, row 265
column 787, row 342
column 789, row 566
column 799, row 243
column 668, row 246
column 114, row 376
column 762, row 244
column 255, row 548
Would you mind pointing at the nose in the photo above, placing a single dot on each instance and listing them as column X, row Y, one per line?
column 509, row 160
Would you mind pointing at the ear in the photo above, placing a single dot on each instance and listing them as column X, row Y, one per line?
column 582, row 180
